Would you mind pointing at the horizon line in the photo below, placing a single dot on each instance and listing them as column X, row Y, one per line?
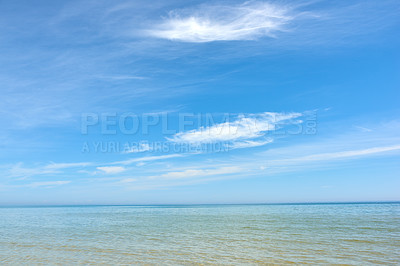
column 195, row 204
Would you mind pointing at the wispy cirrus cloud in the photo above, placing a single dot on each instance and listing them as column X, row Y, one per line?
column 261, row 164
column 19, row 171
column 348, row 154
column 111, row 169
column 48, row 184
column 66, row 165
column 142, row 147
column 147, row 159
column 238, row 132
column 250, row 143
column 190, row 173
column 207, row 23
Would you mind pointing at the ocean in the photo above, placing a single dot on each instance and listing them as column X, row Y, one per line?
column 354, row 234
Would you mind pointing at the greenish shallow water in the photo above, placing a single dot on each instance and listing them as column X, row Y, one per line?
column 357, row 234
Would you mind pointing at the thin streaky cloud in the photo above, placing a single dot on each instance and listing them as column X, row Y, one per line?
column 128, row 180
column 121, row 77
column 288, row 163
column 265, row 166
column 111, row 169
column 363, row 129
column 247, row 21
column 147, row 159
column 250, row 143
column 243, row 128
column 19, row 171
column 142, row 147
column 258, row 166
column 48, row 184
column 66, row 165
column 191, row 173
column 344, row 154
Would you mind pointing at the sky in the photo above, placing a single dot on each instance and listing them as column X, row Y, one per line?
column 196, row 102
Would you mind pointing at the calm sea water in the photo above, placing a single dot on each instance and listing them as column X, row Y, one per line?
column 357, row 234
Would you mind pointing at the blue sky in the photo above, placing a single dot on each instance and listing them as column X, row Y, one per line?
column 252, row 102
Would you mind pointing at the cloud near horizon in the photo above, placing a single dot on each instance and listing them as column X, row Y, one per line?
column 344, row 154
column 198, row 173
column 49, row 184
column 207, row 23
column 19, row 171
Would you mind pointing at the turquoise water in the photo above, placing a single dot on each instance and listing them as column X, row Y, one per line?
column 356, row 234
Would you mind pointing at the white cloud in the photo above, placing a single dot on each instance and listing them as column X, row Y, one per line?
column 248, row 21
column 258, row 164
column 121, row 77
column 289, row 159
column 48, row 183
column 245, row 127
column 345, row 154
column 18, row 170
column 128, row 180
column 141, row 147
column 318, row 153
column 363, row 129
column 199, row 173
column 249, row 143
column 148, row 158
column 111, row 169
column 65, row 165
column 253, row 166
